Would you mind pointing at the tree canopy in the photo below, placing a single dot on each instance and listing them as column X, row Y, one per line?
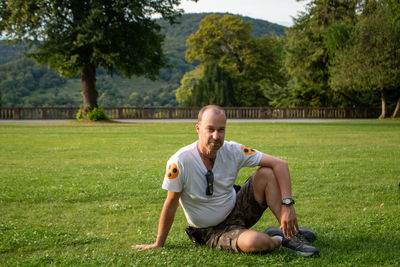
column 235, row 60
column 307, row 54
column 370, row 60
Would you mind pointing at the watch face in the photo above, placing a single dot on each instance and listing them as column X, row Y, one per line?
column 287, row 201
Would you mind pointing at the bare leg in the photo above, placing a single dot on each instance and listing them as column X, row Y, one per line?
column 265, row 188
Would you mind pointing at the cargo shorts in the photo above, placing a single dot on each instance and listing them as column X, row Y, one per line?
column 246, row 212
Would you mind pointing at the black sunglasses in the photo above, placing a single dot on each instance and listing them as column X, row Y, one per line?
column 210, row 183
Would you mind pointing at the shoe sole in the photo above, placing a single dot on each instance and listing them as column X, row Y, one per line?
column 301, row 253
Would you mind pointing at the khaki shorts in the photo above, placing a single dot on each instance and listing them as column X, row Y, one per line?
column 245, row 214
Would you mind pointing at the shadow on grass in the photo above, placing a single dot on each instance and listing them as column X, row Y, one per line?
column 358, row 250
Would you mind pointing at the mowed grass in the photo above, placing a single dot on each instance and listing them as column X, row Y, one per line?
column 82, row 194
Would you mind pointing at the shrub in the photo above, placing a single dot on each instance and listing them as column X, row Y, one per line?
column 79, row 115
column 95, row 114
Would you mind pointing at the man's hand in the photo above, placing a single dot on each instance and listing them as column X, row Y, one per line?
column 144, row 247
column 289, row 224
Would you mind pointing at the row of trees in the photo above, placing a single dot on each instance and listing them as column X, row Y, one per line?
column 347, row 51
column 340, row 53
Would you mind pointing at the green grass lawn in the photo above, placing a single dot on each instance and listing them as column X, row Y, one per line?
column 82, row 194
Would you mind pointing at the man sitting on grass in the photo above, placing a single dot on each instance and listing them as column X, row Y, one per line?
column 201, row 177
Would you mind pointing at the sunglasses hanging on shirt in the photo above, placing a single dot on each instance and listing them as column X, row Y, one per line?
column 210, row 183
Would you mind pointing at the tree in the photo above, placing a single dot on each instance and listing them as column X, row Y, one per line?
column 395, row 10
column 77, row 37
column 184, row 94
column 227, row 42
column 371, row 60
column 214, row 87
column 308, row 58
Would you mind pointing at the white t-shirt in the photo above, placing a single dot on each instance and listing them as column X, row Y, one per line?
column 186, row 173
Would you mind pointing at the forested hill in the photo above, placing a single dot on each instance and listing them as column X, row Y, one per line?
column 24, row 83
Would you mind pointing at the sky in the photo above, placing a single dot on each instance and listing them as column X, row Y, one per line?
column 276, row 11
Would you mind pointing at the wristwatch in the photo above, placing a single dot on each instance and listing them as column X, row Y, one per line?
column 287, row 201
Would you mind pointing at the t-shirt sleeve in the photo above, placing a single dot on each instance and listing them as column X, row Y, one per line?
column 248, row 157
column 173, row 179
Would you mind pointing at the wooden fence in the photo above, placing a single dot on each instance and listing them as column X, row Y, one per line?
column 60, row 113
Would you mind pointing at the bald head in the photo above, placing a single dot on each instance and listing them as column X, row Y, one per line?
column 211, row 130
column 213, row 109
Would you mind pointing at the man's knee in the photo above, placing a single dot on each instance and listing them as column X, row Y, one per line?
column 265, row 172
column 253, row 241
column 263, row 176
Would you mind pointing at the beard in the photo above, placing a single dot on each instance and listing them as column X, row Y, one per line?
column 214, row 144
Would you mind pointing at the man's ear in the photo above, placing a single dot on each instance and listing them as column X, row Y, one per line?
column 198, row 128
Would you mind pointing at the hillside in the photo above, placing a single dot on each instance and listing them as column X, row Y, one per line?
column 24, row 83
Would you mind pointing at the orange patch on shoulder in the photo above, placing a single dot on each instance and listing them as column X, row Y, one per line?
column 248, row 151
column 172, row 171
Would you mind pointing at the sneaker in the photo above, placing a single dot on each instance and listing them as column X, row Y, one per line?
column 306, row 234
column 273, row 231
column 296, row 244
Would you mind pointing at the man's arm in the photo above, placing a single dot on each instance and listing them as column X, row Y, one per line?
column 280, row 168
column 166, row 219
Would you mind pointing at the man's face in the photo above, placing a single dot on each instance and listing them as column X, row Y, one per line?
column 211, row 131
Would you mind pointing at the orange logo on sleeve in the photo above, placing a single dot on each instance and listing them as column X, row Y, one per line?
column 248, row 151
column 172, row 171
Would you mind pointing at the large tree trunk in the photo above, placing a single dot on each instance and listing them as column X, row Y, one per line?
column 90, row 94
column 396, row 113
column 383, row 98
